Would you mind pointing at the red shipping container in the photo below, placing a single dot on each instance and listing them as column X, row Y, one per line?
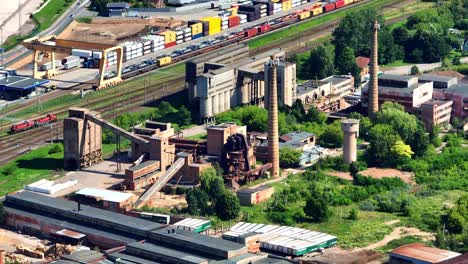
column 339, row 4
column 251, row 32
column 264, row 28
column 170, row 44
column 329, row 7
column 234, row 21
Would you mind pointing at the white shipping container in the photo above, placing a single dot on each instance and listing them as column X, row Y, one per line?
column 82, row 53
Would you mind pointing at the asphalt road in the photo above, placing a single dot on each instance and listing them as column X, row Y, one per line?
column 19, row 51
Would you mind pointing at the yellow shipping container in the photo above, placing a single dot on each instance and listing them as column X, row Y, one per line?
column 164, row 61
column 347, row 2
column 304, row 15
column 169, row 36
column 197, row 28
column 287, row 5
column 317, row 11
column 214, row 24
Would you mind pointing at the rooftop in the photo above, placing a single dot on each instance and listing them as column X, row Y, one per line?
column 396, row 77
column 292, row 139
column 20, row 83
column 336, row 79
column 118, row 5
column 424, row 253
column 163, row 252
column 106, row 195
column 458, row 89
column 254, row 190
column 436, row 78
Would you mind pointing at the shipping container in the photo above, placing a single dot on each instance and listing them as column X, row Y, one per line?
column 251, row 32
column 82, row 53
column 169, row 45
column 339, row 4
column 348, row 2
column 286, row 5
column 169, row 36
column 304, row 15
column 316, row 11
column 71, row 64
column 264, row 28
column 164, row 61
column 197, row 36
column 329, row 7
column 234, row 21
column 214, row 24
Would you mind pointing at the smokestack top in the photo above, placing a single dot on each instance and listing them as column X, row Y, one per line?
column 376, row 25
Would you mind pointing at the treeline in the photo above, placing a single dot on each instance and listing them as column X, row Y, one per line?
column 425, row 37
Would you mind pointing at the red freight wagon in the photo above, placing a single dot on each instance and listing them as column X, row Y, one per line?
column 339, row 4
column 264, row 28
column 22, row 126
column 46, row 120
column 251, row 32
column 329, row 7
column 234, row 21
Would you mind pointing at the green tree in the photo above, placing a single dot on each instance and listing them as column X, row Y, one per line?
column 332, row 137
column 320, row 63
column 289, row 157
column 184, row 116
column 211, row 183
column 401, row 150
column 353, row 214
column 165, row 108
column 381, row 138
column 314, row 115
column 404, row 124
column 419, row 142
column 197, row 202
column 415, row 70
column 317, row 208
column 227, row 206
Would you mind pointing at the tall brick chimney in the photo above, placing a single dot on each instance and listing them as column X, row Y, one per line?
column 273, row 138
column 373, row 104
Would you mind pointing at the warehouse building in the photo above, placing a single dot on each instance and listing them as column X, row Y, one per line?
column 435, row 112
column 13, row 87
column 117, row 9
column 36, row 213
column 114, row 201
column 286, row 82
column 298, row 140
column 420, row 254
column 251, row 196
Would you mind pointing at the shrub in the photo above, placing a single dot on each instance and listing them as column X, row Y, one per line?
column 56, row 148
column 368, row 205
column 353, row 214
column 9, row 170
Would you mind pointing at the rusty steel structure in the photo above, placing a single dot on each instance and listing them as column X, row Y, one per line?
column 273, row 138
column 373, row 105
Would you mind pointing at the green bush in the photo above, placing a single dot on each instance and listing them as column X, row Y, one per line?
column 56, row 148
column 9, row 170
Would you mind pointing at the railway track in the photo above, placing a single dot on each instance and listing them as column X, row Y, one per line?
column 122, row 100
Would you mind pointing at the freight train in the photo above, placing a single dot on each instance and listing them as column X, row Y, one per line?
column 28, row 124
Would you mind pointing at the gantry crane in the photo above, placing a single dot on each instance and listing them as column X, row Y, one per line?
column 51, row 44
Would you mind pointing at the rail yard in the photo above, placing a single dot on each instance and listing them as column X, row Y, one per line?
column 253, row 131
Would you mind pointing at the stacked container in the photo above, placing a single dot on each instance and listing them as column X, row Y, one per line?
column 316, row 11
column 214, row 25
column 169, row 38
column 187, row 34
column 329, row 7
column 303, row 15
column 243, row 18
column 205, row 28
column 224, row 22
column 269, row 6
column 82, row 53
column 71, row 62
column 277, row 7
column 197, row 28
column 48, row 65
column 179, row 36
column 263, row 10
column 158, row 43
column 112, row 58
column 286, row 5
column 148, row 47
column 347, row 2
column 132, row 50
column 295, row 3
column 252, row 11
column 233, row 21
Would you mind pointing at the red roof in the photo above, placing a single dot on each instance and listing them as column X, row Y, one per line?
column 424, row 253
column 362, row 62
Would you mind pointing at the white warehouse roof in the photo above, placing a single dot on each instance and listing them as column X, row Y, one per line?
column 106, row 195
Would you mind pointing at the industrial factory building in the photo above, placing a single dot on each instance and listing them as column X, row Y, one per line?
column 417, row 94
column 36, row 213
column 221, row 86
column 326, row 94
column 118, row 202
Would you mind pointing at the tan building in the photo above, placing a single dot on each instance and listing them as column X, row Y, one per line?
column 251, row 196
column 218, row 135
column 435, row 112
column 286, row 83
column 118, row 202
column 420, row 254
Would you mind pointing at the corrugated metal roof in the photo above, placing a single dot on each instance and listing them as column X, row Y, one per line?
column 424, row 253
column 106, row 195
column 164, row 252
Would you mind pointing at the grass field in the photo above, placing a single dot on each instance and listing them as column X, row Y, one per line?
column 43, row 20
column 312, row 23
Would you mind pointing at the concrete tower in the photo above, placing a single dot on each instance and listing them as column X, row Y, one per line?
column 350, row 129
column 373, row 104
column 273, row 139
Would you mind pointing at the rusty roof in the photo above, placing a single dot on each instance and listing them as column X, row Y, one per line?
column 424, row 253
column 71, row 234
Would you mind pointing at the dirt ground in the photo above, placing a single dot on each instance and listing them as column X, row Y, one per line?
column 162, row 200
column 377, row 173
column 9, row 240
column 114, row 30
